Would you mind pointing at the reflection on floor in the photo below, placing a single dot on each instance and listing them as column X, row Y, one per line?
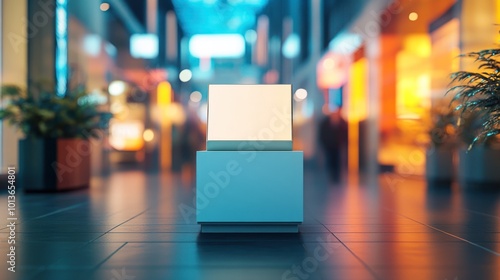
column 137, row 226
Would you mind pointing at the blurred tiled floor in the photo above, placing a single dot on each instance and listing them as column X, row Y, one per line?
column 131, row 226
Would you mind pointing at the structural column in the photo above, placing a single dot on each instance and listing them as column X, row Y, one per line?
column 12, row 68
column 48, row 45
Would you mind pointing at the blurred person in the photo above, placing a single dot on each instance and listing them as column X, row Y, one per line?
column 333, row 139
column 192, row 139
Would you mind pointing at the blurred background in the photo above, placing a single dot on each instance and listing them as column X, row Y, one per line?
column 381, row 66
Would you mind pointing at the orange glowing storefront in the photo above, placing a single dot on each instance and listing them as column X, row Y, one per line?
column 395, row 78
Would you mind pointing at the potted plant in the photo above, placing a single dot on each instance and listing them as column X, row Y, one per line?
column 478, row 162
column 439, row 155
column 476, row 98
column 54, row 154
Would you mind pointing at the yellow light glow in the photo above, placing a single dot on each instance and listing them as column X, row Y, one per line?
column 126, row 136
column 164, row 101
column 413, row 16
column 117, row 107
column 417, row 45
column 357, row 104
column 414, row 77
column 175, row 114
column 148, row 135
column 164, row 92
column 104, row 7
column 357, row 111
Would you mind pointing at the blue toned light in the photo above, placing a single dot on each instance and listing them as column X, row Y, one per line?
column 144, row 46
column 251, row 36
column 61, row 47
column 110, row 49
column 217, row 45
column 334, row 99
column 291, row 46
column 216, row 16
column 94, row 97
column 255, row 3
column 92, row 45
column 308, row 109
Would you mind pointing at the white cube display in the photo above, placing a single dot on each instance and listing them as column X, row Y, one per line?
column 240, row 114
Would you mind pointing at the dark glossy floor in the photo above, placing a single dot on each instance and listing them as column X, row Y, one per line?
column 132, row 226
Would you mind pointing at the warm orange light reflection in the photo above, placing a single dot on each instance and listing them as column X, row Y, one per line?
column 389, row 46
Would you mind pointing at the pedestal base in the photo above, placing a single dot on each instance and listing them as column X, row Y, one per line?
column 249, row 191
column 249, row 228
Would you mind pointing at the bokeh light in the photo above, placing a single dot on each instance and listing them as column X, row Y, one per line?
column 116, row 88
column 185, row 75
column 148, row 135
column 195, row 96
column 104, row 6
column 300, row 94
column 413, row 16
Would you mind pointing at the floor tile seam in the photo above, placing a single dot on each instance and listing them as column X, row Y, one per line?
column 73, row 249
column 58, row 211
column 153, row 232
column 437, row 266
column 59, row 232
column 212, row 266
column 48, row 214
column 96, row 267
column 118, row 226
column 365, row 265
column 483, row 214
column 449, row 234
column 212, row 242
column 39, row 271
column 265, row 241
column 409, row 241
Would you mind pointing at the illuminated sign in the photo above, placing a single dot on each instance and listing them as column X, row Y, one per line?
column 61, row 34
column 144, row 46
column 217, row 45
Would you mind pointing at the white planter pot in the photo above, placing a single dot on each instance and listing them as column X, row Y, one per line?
column 439, row 164
column 479, row 166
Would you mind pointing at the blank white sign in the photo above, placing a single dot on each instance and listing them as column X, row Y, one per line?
column 249, row 112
